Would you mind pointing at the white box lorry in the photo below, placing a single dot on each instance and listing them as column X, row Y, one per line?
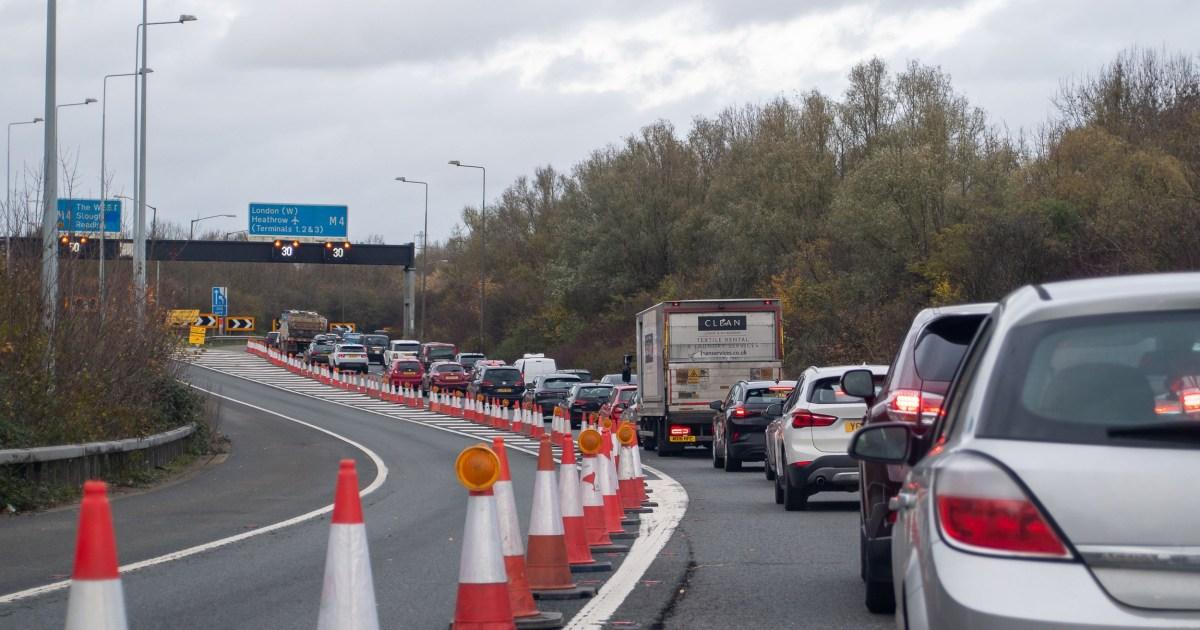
column 689, row 353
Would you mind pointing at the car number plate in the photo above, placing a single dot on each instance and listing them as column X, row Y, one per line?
column 681, row 438
column 504, row 390
column 851, row 427
column 410, row 372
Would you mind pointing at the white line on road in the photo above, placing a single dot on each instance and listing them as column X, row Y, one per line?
column 380, row 476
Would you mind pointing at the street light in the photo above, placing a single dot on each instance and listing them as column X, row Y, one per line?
column 139, row 227
column 482, row 245
column 192, row 227
column 424, row 247
column 8, row 202
column 86, row 101
column 103, row 154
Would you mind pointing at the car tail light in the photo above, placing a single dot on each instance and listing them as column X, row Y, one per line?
column 486, row 383
column 981, row 508
column 909, row 405
column 679, row 429
column 805, row 418
column 1190, row 400
column 739, row 411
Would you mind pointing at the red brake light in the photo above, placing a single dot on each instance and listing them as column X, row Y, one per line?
column 486, row 383
column 739, row 411
column 805, row 418
column 981, row 508
column 679, row 429
column 907, row 405
column 1190, row 399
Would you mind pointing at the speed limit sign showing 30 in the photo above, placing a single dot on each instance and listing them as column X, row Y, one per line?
column 337, row 252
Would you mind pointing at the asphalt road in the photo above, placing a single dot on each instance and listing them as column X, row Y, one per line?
column 414, row 524
column 738, row 560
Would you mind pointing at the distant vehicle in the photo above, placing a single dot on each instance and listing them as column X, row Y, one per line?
column 690, row 353
column 399, row 348
column 617, row 379
column 739, row 421
column 318, row 351
column 498, row 382
column 273, row 339
column 353, row 337
column 376, row 346
column 631, row 409
column 583, row 398
column 615, row 405
column 584, row 375
column 445, row 376
column 349, row 357
column 468, row 359
column 435, row 351
column 548, row 389
column 406, row 372
column 532, row 365
column 914, row 393
column 1063, row 462
column 482, row 363
column 298, row 328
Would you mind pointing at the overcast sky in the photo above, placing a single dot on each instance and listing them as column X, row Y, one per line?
column 326, row 102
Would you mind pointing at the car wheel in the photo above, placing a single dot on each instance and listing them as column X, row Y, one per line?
column 768, row 469
column 880, row 597
column 718, row 460
column 732, row 464
column 795, row 499
column 779, row 490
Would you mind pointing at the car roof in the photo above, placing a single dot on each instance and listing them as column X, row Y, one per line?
column 838, row 370
column 764, row 383
column 437, row 363
column 1095, row 296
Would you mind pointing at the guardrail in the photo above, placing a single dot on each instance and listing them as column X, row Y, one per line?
column 75, row 463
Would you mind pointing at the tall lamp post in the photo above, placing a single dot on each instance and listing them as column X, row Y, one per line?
column 139, row 225
column 103, row 174
column 8, row 196
column 424, row 247
column 58, row 108
column 192, row 227
column 482, row 246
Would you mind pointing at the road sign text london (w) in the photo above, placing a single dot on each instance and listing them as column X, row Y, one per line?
column 291, row 220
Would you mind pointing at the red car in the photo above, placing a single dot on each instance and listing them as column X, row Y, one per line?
column 617, row 401
column 446, row 375
column 406, row 373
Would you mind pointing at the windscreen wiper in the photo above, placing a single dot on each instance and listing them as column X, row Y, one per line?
column 1181, row 430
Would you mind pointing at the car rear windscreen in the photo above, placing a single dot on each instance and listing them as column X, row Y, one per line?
column 352, row 348
column 627, row 395
column 407, row 365
column 828, row 391
column 441, row 352
column 942, row 345
column 502, row 374
column 450, row 367
column 1099, row 380
column 375, row 340
column 559, row 382
column 594, row 392
column 767, row 394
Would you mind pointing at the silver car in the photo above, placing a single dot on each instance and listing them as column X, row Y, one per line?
column 1059, row 488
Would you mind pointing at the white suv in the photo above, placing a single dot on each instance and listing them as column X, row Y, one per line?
column 806, row 443
column 349, row 356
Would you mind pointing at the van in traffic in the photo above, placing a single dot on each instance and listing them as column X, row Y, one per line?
column 534, row 365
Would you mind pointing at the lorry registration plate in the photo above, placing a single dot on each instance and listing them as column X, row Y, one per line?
column 682, row 438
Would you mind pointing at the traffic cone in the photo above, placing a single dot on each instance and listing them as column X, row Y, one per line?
column 535, row 418
column 626, row 483
column 579, row 557
column 482, row 601
column 96, row 600
column 608, row 488
column 348, row 595
column 592, row 498
column 525, row 612
column 546, row 561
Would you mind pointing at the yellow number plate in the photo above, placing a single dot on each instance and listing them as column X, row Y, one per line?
column 851, row 427
column 681, row 438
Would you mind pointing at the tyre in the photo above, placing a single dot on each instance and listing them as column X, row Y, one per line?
column 732, row 464
column 778, row 489
column 660, row 442
column 768, row 469
column 880, row 597
column 795, row 499
column 717, row 460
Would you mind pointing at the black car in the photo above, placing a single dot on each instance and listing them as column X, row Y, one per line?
column 273, row 340
column 550, row 389
column 618, row 379
column 739, row 424
column 584, row 376
column 375, row 344
column 584, row 398
column 318, row 351
column 498, row 382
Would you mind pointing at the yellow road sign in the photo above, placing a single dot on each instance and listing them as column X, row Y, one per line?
column 196, row 335
column 239, row 323
column 345, row 326
column 206, row 320
column 182, row 316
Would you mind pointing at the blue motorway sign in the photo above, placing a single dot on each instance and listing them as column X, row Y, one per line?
column 291, row 220
column 82, row 216
column 220, row 301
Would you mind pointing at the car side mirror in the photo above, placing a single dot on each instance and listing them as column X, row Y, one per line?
column 860, row 384
column 774, row 410
column 885, row 443
column 715, row 405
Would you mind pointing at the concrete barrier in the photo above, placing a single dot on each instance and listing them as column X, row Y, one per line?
column 75, row 463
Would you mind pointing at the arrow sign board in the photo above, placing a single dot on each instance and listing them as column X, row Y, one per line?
column 82, row 216
column 239, row 323
column 291, row 220
column 207, row 320
column 220, row 301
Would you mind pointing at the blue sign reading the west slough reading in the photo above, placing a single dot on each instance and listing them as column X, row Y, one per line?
column 82, row 216
column 293, row 220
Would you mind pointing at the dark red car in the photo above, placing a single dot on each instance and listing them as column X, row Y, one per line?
column 917, row 382
column 406, row 373
column 617, row 400
column 446, row 376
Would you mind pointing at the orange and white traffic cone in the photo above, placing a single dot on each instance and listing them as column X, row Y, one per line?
column 535, row 418
column 579, row 557
column 348, row 594
column 608, row 488
column 96, row 600
column 546, row 560
column 626, row 482
column 592, row 497
column 482, row 602
column 525, row 612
